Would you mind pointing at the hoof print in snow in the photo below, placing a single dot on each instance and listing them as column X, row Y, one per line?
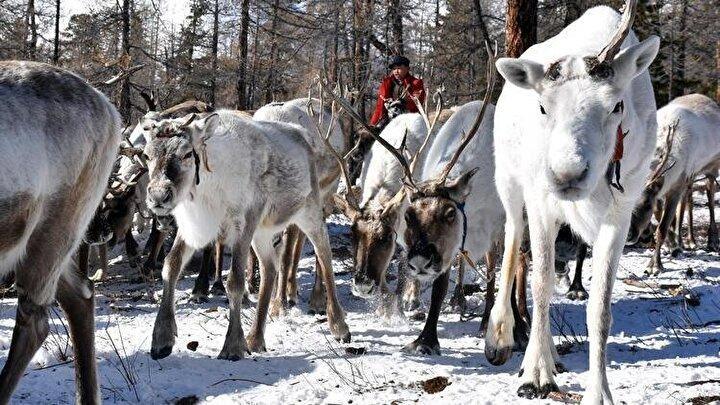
column 435, row 385
column 192, row 346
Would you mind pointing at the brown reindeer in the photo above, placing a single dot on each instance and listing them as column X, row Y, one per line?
column 59, row 140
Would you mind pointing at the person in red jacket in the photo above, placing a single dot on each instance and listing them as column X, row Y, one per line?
column 395, row 91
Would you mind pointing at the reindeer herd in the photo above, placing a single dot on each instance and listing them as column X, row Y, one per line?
column 570, row 142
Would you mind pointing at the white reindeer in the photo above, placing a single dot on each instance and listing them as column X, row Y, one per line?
column 296, row 112
column 243, row 180
column 559, row 127
column 59, row 140
column 688, row 145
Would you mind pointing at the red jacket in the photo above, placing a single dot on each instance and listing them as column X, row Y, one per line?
column 416, row 88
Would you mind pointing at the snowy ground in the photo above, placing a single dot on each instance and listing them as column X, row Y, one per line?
column 661, row 350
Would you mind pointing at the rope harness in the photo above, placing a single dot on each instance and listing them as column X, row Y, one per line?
column 612, row 175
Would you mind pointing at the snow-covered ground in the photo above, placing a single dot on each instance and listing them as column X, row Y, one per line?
column 661, row 349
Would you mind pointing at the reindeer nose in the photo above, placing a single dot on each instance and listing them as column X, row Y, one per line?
column 570, row 175
column 159, row 196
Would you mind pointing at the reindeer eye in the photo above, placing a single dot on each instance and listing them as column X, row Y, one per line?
column 542, row 110
column 187, row 155
column 450, row 215
column 618, row 107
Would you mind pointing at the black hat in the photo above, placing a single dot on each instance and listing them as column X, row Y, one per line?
column 399, row 60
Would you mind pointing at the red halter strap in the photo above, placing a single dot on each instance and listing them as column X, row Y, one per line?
column 619, row 144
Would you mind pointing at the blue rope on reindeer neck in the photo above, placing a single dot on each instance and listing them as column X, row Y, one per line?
column 461, row 207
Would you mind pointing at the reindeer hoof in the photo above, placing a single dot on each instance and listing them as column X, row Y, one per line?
column 420, row 346
column 560, row 368
column 676, row 252
column 344, row 338
column 291, row 303
column 497, row 356
column 218, row 288
column 256, row 344
column 199, row 298
column 231, row 353
column 314, row 312
column 160, row 353
column 577, row 294
column 531, row 391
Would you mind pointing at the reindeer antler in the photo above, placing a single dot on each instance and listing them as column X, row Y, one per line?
column 660, row 169
column 430, row 126
column 373, row 131
column 349, row 195
column 490, row 75
column 613, row 47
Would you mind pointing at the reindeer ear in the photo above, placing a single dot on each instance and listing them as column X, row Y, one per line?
column 634, row 59
column 205, row 128
column 461, row 187
column 520, row 72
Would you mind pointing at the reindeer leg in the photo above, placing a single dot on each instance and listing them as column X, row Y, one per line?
column 691, row 225
column 427, row 343
column 165, row 329
column 102, row 268
column 202, row 282
column 490, row 258
column 577, row 291
column 131, row 247
column 83, row 258
column 499, row 339
column 266, row 253
column 313, row 225
column 675, row 234
column 218, row 288
column 235, row 345
column 279, row 303
column 292, row 287
column 607, row 250
column 538, row 366
column 153, row 246
column 519, row 304
column 672, row 198
column 713, row 244
column 458, row 298
column 31, row 329
column 80, row 312
column 318, row 297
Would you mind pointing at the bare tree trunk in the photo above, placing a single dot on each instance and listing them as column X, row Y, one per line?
column 269, row 83
column 252, row 96
column 56, row 44
column 395, row 14
column 216, row 27
column 520, row 26
column 242, row 102
column 680, row 61
column 125, row 106
column 31, row 27
column 717, row 69
column 336, row 42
